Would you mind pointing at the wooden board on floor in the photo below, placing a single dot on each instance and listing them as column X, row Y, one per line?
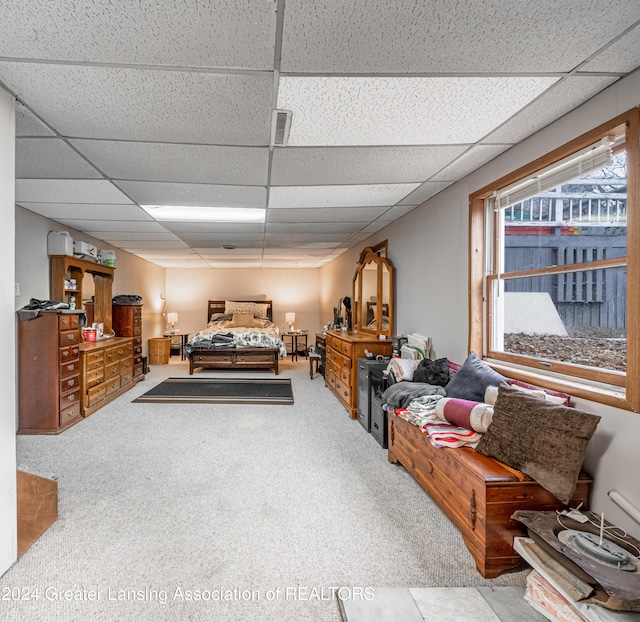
column 37, row 507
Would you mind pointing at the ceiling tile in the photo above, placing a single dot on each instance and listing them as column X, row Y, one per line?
column 298, row 244
column 359, row 165
column 182, row 263
column 444, row 36
column 287, row 252
column 115, row 226
column 560, row 99
column 168, row 252
column 219, row 237
column 401, row 111
column 139, row 104
column 86, row 211
column 297, row 238
column 186, row 33
column 156, row 193
column 317, row 228
column 397, row 211
column 204, row 164
column 207, row 228
column 142, row 246
column 120, row 237
column 338, row 196
column 40, row 158
column 203, row 243
column 221, row 253
column 623, row 55
column 212, row 263
column 470, row 161
column 68, row 191
column 27, row 124
column 424, row 192
column 325, row 214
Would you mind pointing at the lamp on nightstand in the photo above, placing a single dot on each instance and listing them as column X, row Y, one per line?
column 172, row 318
column 290, row 318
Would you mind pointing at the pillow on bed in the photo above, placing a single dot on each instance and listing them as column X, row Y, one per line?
column 546, row 441
column 472, row 379
column 244, row 320
column 258, row 309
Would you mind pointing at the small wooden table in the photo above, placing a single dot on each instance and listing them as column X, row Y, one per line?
column 297, row 340
column 184, row 337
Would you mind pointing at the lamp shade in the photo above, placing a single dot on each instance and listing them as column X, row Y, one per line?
column 172, row 318
column 290, row 317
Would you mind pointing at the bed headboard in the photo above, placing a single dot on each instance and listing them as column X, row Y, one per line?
column 217, row 306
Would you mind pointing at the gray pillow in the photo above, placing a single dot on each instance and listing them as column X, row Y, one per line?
column 472, row 379
column 546, row 441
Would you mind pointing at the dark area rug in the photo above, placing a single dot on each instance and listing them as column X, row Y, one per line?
column 220, row 391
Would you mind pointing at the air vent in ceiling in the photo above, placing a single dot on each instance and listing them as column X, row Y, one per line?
column 280, row 124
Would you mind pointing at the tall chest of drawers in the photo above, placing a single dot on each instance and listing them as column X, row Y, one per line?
column 344, row 348
column 107, row 371
column 127, row 322
column 49, row 398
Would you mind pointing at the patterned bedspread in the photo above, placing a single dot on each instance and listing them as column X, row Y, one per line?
column 217, row 335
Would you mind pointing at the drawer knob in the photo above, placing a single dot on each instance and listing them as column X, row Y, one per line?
column 71, row 382
column 71, row 337
column 71, row 397
column 70, row 367
column 65, row 353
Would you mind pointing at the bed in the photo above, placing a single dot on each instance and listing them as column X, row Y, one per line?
column 239, row 334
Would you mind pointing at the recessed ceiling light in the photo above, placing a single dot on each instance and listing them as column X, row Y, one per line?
column 205, row 214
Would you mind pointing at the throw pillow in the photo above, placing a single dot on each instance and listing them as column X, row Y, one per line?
column 258, row 309
column 546, row 441
column 432, row 372
column 244, row 320
column 472, row 379
column 464, row 413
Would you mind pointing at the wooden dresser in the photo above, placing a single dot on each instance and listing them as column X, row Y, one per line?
column 344, row 348
column 107, row 371
column 48, row 373
column 127, row 322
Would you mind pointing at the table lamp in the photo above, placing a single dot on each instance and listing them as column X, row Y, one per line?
column 172, row 318
column 290, row 318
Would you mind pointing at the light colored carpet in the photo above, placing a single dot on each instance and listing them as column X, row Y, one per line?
column 273, row 505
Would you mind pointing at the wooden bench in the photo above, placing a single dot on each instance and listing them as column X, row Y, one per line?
column 479, row 494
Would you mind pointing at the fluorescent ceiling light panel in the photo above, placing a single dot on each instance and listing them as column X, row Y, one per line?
column 205, row 214
column 339, row 196
column 402, row 111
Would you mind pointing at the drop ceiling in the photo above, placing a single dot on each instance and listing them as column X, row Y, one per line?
column 123, row 104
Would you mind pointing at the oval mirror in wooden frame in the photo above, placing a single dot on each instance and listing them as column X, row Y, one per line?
column 373, row 292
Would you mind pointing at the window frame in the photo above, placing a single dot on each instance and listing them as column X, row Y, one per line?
column 604, row 386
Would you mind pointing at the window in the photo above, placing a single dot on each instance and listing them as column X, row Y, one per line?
column 552, row 245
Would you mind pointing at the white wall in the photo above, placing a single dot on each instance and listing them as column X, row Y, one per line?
column 429, row 248
column 8, row 510
column 297, row 290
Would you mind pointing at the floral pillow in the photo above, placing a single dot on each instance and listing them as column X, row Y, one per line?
column 258, row 309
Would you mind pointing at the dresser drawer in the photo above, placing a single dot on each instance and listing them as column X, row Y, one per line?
column 70, row 414
column 70, row 383
column 70, row 399
column 344, row 348
column 112, row 385
column 111, row 369
column 68, row 337
column 126, row 377
column 95, row 394
column 117, row 353
column 137, row 370
column 343, row 391
column 93, row 360
column 126, row 365
column 344, row 375
column 68, row 321
column 68, row 369
column 68, row 353
column 94, row 377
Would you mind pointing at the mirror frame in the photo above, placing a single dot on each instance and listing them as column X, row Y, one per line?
column 384, row 293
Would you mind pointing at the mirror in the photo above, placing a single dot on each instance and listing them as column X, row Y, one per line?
column 373, row 291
